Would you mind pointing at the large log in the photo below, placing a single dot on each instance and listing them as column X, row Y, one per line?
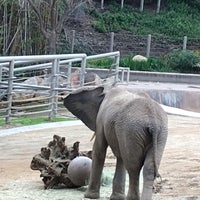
column 53, row 162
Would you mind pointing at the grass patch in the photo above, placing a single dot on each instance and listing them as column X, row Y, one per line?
column 103, row 63
column 25, row 121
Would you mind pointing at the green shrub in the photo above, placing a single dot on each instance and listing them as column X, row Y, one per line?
column 133, row 65
column 182, row 61
column 103, row 63
column 152, row 64
column 158, row 65
column 176, row 61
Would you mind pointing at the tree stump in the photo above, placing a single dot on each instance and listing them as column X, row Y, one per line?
column 53, row 162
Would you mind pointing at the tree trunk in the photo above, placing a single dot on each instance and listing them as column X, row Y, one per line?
column 52, row 42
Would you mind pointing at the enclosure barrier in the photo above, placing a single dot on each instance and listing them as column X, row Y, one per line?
column 48, row 102
column 129, row 44
column 54, row 70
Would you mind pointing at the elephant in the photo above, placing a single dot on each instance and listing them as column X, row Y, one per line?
column 133, row 125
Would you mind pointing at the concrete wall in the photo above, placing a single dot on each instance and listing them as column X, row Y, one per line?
column 165, row 77
column 155, row 76
column 170, row 89
column 187, row 100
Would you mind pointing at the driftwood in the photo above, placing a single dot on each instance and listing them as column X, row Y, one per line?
column 54, row 160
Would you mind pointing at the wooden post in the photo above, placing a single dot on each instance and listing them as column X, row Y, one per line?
column 148, row 45
column 122, row 4
column 53, row 89
column 158, row 6
column 73, row 39
column 102, row 4
column 141, row 5
column 9, row 91
column 184, row 42
column 112, row 41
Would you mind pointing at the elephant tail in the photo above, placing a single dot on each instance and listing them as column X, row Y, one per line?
column 155, row 153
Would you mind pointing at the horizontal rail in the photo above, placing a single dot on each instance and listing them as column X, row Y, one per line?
column 103, row 55
column 41, row 57
column 31, row 113
column 48, row 65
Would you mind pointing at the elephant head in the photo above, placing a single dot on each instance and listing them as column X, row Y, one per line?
column 84, row 103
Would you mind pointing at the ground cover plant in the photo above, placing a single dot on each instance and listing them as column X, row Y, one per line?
column 25, row 121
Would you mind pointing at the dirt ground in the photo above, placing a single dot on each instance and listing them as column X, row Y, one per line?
column 180, row 167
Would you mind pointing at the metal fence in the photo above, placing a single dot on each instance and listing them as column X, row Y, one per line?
column 20, row 93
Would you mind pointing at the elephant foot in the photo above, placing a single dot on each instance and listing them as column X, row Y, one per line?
column 133, row 198
column 117, row 196
column 91, row 195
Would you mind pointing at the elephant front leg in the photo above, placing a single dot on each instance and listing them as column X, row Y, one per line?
column 119, row 181
column 98, row 158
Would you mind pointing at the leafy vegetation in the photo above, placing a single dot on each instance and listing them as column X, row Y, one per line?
column 175, row 20
column 104, row 63
column 183, row 61
column 152, row 64
column 176, row 61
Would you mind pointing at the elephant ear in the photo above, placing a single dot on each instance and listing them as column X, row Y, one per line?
column 84, row 104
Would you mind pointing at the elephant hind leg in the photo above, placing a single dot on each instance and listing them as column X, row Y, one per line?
column 133, row 168
column 148, row 176
column 149, row 172
column 133, row 191
column 119, row 181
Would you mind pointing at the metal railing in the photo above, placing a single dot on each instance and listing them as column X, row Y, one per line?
column 48, row 102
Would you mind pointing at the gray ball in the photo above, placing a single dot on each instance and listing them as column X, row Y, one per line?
column 79, row 170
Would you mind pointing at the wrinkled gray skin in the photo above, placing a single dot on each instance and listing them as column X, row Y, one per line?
column 133, row 125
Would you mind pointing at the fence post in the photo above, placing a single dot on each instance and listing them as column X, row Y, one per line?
column 158, row 6
column 148, row 45
column 69, row 72
column 102, row 4
column 52, row 90
column 117, row 58
column 122, row 4
column 73, row 41
column 83, row 65
column 10, row 89
column 56, row 85
column 1, row 73
column 112, row 41
column 184, row 42
column 141, row 5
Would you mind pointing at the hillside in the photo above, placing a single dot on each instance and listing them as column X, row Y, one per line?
column 131, row 28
